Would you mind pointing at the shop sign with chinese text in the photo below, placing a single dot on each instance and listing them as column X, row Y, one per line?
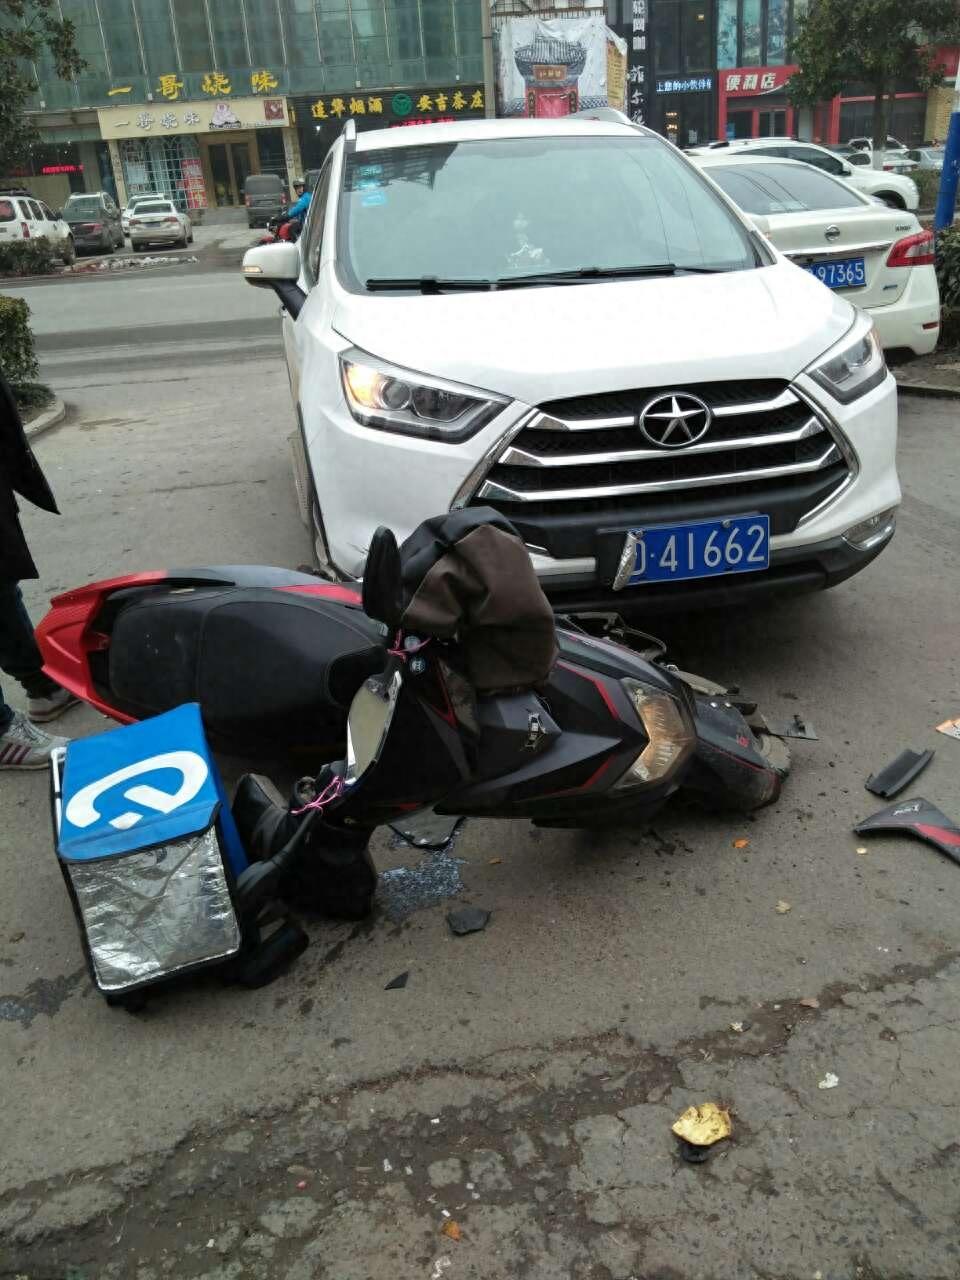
column 688, row 84
column 156, row 119
column 746, row 82
column 381, row 109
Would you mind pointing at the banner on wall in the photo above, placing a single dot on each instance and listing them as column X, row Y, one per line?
column 556, row 66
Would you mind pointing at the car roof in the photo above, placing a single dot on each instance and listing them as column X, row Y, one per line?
column 494, row 130
column 718, row 162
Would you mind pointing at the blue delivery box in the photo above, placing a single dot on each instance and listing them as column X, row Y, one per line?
column 149, row 851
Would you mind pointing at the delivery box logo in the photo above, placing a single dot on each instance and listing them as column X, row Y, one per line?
column 83, row 811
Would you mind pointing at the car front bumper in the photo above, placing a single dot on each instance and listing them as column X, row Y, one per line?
column 363, row 478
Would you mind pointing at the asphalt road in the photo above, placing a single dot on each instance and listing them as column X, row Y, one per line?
column 525, row 1080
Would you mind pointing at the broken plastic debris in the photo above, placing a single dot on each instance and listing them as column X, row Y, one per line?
column 919, row 818
column 741, row 843
column 892, row 778
column 829, row 1081
column 452, row 1230
column 862, row 849
column 494, row 862
column 736, row 1026
column 704, row 1125
column 441, row 1265
column 468, row 920
column 950, row 727
column 302, row 1185
column 782, row 907
column 693, row 1154
column 810, row 1002
column 398, row 983
column 387, row 1166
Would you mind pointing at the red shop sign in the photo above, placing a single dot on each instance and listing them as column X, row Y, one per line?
column 752, row 82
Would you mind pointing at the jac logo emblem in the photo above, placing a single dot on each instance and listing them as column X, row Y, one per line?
column 82, row 811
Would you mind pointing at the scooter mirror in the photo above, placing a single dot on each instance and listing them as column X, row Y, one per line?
column 369, row 722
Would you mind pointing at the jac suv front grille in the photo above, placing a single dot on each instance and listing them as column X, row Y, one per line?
column 581, row 466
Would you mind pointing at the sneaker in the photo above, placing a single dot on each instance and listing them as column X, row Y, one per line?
column 42, row 710
column 24, row 746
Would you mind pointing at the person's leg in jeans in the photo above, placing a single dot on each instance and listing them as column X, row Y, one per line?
column 22, row 745
column 19, row 655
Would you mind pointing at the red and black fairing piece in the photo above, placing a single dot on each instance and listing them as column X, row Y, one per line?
column 272, row 656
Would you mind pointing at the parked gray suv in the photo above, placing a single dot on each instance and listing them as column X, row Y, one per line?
column 265, row 197
column 94, row 221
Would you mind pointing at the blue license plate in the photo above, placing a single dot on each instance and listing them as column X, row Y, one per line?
column 842, row 273
column 706, row 549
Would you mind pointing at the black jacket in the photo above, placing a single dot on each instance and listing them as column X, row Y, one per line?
column 19, row 474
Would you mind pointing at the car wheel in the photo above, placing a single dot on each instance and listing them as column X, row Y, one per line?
column 69, row 252
column 892, row 201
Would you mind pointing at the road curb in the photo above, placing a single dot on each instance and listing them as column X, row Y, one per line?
column 936, row 389
column 49, row 418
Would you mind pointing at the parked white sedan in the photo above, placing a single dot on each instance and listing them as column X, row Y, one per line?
column 159, row 222
column 879, row 259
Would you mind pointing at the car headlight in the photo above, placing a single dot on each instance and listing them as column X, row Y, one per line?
column 669, row 732
column 391, row 399
column 854, row 366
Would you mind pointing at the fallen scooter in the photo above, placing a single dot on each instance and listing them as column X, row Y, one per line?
column 451, row 689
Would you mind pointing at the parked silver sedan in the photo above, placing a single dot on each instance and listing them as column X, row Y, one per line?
column 159, row 222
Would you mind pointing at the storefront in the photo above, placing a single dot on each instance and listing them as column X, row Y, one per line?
column 683, row 109
column 320, row 119
column 752, row 102
column 199, row 153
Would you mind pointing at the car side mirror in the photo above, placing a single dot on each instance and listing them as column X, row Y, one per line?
column 846, row 171
column 761, row 222
column 276, row 267
column 57, row 214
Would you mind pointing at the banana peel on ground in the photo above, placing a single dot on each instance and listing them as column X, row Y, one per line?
column 704, row 1125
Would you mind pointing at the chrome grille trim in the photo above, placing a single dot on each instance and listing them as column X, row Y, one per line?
column 493, row 490
column 516, row 457
column 548, row 422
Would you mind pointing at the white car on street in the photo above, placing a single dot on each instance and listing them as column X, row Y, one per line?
column 564, row 320
column 22, row 217
column 132, row 203
column 159, row 222
column 894, row 189
column 881, row 259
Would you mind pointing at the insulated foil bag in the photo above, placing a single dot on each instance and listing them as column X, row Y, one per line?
column 149, row 851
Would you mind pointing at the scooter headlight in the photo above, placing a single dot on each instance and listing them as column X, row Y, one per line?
column 669, row 730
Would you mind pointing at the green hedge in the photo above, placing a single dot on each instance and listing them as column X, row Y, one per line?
column 928, row 186
column 27, row 258
column 948, row 266
column 17, row 357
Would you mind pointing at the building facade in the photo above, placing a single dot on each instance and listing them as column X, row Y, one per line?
column 191, row 96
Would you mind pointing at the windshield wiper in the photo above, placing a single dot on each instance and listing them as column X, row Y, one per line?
column 424, row 284
column 603, row 273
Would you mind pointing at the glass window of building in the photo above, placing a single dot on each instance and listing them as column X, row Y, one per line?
column 229, row 34
column 682, row 38
column 265, row 33
column 193, row 35
column 300, row 24
column 756, row 33
column 158, row 43
column 120, row 34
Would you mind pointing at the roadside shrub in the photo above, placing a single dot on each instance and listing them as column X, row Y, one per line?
column 27, row 258
column 928, row 185
column 17, row 358
column 948, row 266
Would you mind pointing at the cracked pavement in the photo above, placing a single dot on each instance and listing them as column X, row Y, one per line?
column 526, row 1078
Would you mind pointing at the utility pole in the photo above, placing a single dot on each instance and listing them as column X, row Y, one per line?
column 947, row 199
column 489, row 81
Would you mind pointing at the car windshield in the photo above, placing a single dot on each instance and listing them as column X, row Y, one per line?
column 507, row 208
column 154, row 206
column 83, row 205
column 263, row 184
column 765, row 188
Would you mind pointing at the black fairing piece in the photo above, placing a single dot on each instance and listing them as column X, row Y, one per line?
column 268, row 668
column 898, row 774
column 381, row 579
column 917, row 818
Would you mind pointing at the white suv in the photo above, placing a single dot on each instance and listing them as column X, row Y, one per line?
column 893, row 189
column 24, row 218
column 564, row 320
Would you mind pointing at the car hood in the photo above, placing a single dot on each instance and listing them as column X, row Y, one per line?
column 545, row 343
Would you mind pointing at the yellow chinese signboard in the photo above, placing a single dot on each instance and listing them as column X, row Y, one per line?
column 384, row 108
column 170, row 116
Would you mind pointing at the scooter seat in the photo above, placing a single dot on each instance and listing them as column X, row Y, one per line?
column 294, row 661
